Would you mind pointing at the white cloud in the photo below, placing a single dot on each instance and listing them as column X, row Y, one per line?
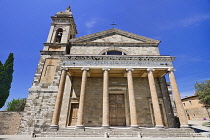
column 194, row 20
column 187, row 22
column 91, row 23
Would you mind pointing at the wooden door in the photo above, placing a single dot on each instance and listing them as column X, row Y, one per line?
column 73, row 114
column 117, row 110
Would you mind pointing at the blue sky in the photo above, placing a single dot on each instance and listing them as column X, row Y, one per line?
column 183, row 26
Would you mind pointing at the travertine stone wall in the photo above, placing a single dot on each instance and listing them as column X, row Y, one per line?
column 198, row 113
column 38, row 112
column 49, row 70
column 40, row 103
column 93, row 101
column 117, row 38
column 95, row 50
column 167, row 102
column 194, row 109
column 9, row 122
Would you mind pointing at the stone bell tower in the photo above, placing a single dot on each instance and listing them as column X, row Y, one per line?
column 42, row 94
column 62, row 29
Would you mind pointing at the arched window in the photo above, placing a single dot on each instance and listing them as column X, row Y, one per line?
column 114, row 53
column 58, row 35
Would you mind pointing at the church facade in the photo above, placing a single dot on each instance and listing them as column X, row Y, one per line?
column 107, row 79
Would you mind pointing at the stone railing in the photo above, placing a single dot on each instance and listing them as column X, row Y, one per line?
column 118, row 61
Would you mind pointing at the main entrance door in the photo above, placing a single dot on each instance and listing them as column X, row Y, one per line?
column 117, row 110
column 73, row 114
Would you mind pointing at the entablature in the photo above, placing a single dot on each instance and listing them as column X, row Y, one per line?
column 115, row 72
column 55, row 44
column 113, row 44
column 100, row 61
column 53, row 52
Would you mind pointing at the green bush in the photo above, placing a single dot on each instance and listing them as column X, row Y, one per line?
column 16, row 105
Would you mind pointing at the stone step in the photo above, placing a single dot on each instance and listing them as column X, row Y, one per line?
column 121, row 133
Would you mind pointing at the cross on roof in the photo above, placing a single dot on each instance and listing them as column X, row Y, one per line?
column 113, row 24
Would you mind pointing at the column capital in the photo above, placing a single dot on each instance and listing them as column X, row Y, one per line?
column 150, row 69
column 64, row 68
column 106, row 69
column 86, row 69
column 129, row 69
column 171, row 69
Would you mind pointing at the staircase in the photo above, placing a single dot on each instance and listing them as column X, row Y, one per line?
column 142, row 133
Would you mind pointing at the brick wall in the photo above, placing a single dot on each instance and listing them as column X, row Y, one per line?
column 9, row 122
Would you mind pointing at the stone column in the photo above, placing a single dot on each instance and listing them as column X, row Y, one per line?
column 155, row 103
column 177, row 99
column 82, row 99
column 59, row 98
column 132, row 101
column 105, row 123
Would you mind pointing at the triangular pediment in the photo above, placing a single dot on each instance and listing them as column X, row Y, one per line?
column 114, row 36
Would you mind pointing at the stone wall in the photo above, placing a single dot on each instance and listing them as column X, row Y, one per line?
column 198, row 113
column 9, row 122
column 194, row 109
column 40, row 103
column 96, row 50
column 94, row 93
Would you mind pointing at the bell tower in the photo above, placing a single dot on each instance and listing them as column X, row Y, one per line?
column 46, row 80
column 62, row 29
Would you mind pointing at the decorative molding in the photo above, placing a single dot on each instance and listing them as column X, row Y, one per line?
column 113, row 44
column 129, row 69
column 114, row 49
column 86, row 69
column 64, row 68
column 171, row 69
column 106, row 69
column 91, row 37
column 120, row 61
column 52, row 52
column 150, row 69
column 55, row 44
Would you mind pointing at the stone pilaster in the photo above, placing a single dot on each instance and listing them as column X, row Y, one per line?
column 155, row 103
column 82, row 99
column 105, row 123
column 177, row 99
column 132, row 101
column 58, row 103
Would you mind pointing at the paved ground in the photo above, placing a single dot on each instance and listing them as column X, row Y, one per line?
column 197, row 125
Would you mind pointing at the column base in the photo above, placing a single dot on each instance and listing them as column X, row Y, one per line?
column 55, row 127
column 105, row 126
column 184, row 126
column 80, row 127
column 134, row 127
column 159, row 126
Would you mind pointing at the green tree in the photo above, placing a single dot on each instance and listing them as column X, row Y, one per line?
column 6, row 71
column 203, row 91
column 16, row 105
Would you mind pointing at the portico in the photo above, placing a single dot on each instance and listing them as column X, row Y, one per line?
column 125, row 113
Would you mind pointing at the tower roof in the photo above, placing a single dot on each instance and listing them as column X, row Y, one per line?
column 66, row 13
